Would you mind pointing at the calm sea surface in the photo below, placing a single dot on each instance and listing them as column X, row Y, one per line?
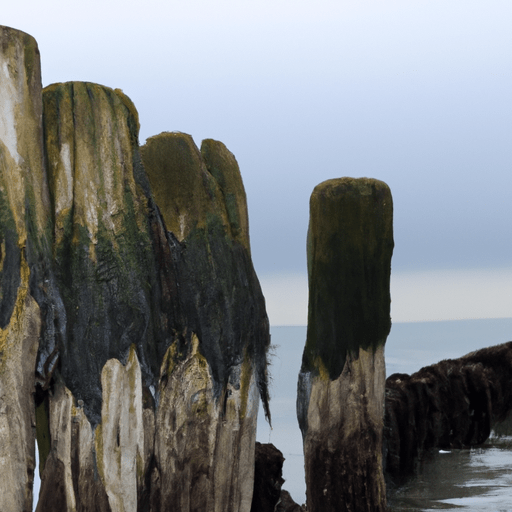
column 476, row 479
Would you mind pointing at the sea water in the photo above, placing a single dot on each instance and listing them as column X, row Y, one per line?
column 473, row 479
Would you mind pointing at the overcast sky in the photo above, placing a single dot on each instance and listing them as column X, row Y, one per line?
column 415, row 93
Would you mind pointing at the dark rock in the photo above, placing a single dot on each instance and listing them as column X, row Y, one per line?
column 268, row 495
column 286, row 504
column 268, row 478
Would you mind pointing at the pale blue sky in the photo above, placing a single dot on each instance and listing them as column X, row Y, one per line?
column 415, row 93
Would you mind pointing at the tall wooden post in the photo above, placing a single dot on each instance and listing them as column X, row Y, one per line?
column 340, row 403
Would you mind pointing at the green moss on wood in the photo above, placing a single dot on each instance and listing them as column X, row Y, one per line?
column 222, row 165
column 202, row 200
column 99, row 452
column 350, row 243
column 133, row 118
column 31, row 54
column 183, row 189
column 124, row 278
column 106, row 267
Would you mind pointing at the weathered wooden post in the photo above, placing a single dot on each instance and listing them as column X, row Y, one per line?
column 24, row 214
column 210, row 381
column 163, row 358
column 133, row 340
column 340, row 402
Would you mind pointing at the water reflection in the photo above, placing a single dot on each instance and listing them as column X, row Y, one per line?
column 472, row 479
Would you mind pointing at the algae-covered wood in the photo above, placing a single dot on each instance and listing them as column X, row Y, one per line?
column 207, row 452
column 103, row 247
column 23, row 218
column 340, row 400
column 350, row 243
column 139, row 337
column 172, row 296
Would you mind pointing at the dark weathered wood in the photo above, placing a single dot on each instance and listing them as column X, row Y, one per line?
column 452, row 404
column 163, row 340
column 24, row 222
column 340, row 403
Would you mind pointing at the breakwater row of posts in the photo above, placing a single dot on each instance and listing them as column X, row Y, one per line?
column 133, row 330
